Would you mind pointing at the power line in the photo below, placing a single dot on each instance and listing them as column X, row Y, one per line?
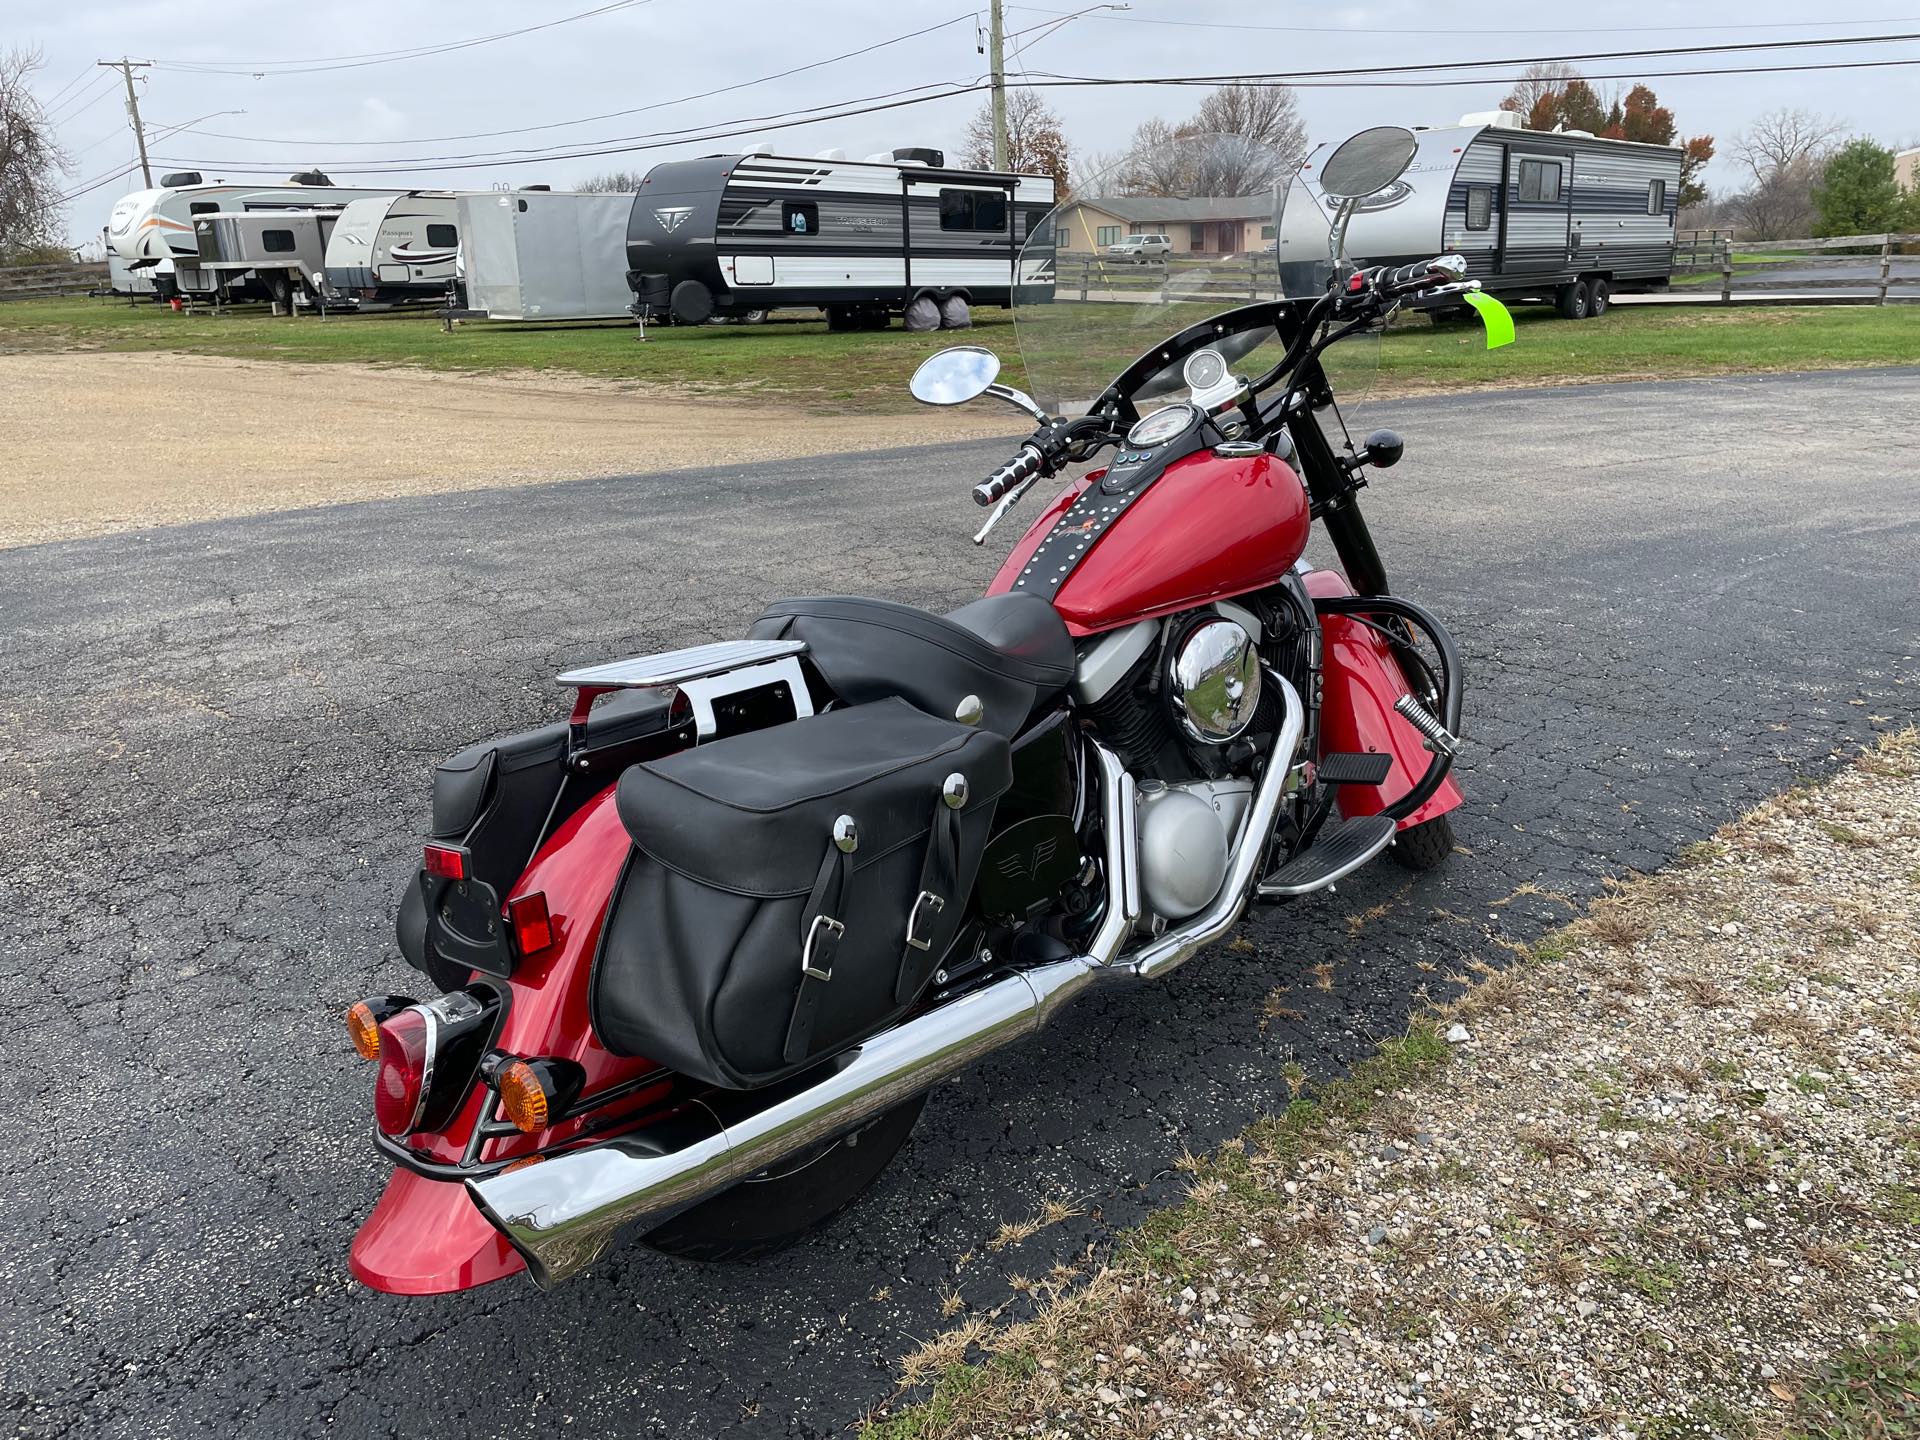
column 593, row 119
column 81, row 100
column 1358, row 30
column 381, row 57
column 428, row 165
column 54, row 99
column 126, row 68
column 1341, row 77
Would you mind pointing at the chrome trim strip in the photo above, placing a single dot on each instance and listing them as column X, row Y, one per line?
column 675, row 667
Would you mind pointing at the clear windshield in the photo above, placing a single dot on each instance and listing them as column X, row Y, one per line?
column 1084, row 311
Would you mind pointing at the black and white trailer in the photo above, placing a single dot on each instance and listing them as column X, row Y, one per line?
column 1562, row 217
column 864, row 240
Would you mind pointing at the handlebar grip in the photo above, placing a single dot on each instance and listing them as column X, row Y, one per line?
column 1408, row 277
column 1021, row 468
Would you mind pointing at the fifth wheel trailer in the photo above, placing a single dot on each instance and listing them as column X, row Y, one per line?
column 1558, row 216
column 862, row 239
column 545, row 255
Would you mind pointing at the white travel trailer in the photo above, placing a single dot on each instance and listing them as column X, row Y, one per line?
column 1560, row 216
column 862, row 239
column 394, row 250
column 545, row 255
column 152, row 230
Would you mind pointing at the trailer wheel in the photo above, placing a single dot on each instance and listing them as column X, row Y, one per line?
column 1599, row 296
column 954, row 314
column 1571, row 300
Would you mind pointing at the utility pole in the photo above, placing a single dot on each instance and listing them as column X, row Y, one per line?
column 999, row 62
column 126, row 68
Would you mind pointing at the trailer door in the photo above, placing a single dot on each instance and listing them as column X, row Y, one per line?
column 1539, row 195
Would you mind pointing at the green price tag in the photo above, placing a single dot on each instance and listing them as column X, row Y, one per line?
column 1495, row 317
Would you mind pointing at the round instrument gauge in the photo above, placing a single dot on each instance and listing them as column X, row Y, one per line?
column 1161, row 426
column 1204, row 371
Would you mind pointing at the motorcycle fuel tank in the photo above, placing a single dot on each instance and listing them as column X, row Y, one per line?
column 1208, row 528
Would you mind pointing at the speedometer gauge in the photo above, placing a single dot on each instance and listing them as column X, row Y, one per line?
column 1161, row 426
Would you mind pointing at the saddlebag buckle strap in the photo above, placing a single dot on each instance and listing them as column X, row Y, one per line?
column 823, row 939
column 920, row 922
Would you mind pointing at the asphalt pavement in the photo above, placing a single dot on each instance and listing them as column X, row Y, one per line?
column 1673, row 599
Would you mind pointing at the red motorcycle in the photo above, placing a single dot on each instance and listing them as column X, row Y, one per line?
column 705, row 945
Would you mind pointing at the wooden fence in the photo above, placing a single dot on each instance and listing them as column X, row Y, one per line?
column 1752, row 268
column 38, row 282
column 1229, row 277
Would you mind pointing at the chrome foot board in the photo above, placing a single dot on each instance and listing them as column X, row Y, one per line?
column 1340, row 850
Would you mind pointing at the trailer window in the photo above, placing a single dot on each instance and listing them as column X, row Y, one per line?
column 973, row 210
column 203, row 207
column 1540, row 180
column 277, row 242
column 443, row 236
column 799, row 217
column 1479, row 207
column 1656, row 197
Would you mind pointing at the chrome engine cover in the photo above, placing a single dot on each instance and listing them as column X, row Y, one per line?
column 1186, row 835
column 1213, row 681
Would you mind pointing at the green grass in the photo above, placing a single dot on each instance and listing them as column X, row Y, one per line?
column 789, row 360
column 1871, row 1392
column 798, row 361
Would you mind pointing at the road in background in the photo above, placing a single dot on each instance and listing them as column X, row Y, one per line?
column 1673, row 599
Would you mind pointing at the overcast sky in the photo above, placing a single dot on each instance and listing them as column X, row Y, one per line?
column 350, row 117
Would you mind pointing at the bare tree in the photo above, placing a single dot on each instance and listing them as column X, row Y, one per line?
column 614, row 182
column 1036, row 141
column 1267, row 115
column 1781, row 139
column 1153, row 164
column 31, row 160
column 1784, row 151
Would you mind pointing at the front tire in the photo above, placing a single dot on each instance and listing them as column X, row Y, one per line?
column 1423, row 846
column 772, row 1210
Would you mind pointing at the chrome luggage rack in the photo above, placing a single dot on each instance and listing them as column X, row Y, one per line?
column 703, row 673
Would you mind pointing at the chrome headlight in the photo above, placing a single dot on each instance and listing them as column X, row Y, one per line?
column 1213, row 681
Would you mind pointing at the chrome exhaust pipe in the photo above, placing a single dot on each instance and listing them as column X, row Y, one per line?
column 562, row 1214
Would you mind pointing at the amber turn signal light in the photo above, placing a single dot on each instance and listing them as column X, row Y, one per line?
column 524, row 1097
column 364, row 1029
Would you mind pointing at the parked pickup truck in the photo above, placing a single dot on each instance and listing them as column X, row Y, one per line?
column 1141, row 248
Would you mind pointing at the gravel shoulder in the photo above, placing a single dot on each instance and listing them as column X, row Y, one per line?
column 1653, row 1177
column 98, row 443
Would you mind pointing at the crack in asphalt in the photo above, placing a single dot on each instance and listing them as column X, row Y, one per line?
column 1673, row 599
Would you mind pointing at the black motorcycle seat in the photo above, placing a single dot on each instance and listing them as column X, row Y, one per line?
column 1010, row 653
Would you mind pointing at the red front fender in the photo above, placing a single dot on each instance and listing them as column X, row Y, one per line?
column 1360, row 681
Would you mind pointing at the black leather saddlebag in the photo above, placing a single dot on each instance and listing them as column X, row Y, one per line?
column 791, row 890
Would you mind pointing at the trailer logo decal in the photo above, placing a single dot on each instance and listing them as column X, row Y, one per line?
column 673, row 217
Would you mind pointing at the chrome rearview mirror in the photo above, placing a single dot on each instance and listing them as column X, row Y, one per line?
column 1368, row 162
column 955, row 376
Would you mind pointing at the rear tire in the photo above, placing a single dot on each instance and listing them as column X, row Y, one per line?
column 1423, row 846
column 1599, row 296
column 1571, row 300
column 774, row 1209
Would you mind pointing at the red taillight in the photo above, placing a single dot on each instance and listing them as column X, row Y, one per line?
column 406, row 1066
column 532, row 927
column 446, row 862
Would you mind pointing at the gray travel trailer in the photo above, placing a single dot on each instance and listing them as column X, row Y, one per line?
column 281, row 251
column 864, row 240
column 394, row 250
column 1563, row 217
column 545, row 255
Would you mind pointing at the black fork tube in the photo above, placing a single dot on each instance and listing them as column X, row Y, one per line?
column 1333, row 497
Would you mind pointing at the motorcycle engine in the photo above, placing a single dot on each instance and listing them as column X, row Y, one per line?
column 1186, row 837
